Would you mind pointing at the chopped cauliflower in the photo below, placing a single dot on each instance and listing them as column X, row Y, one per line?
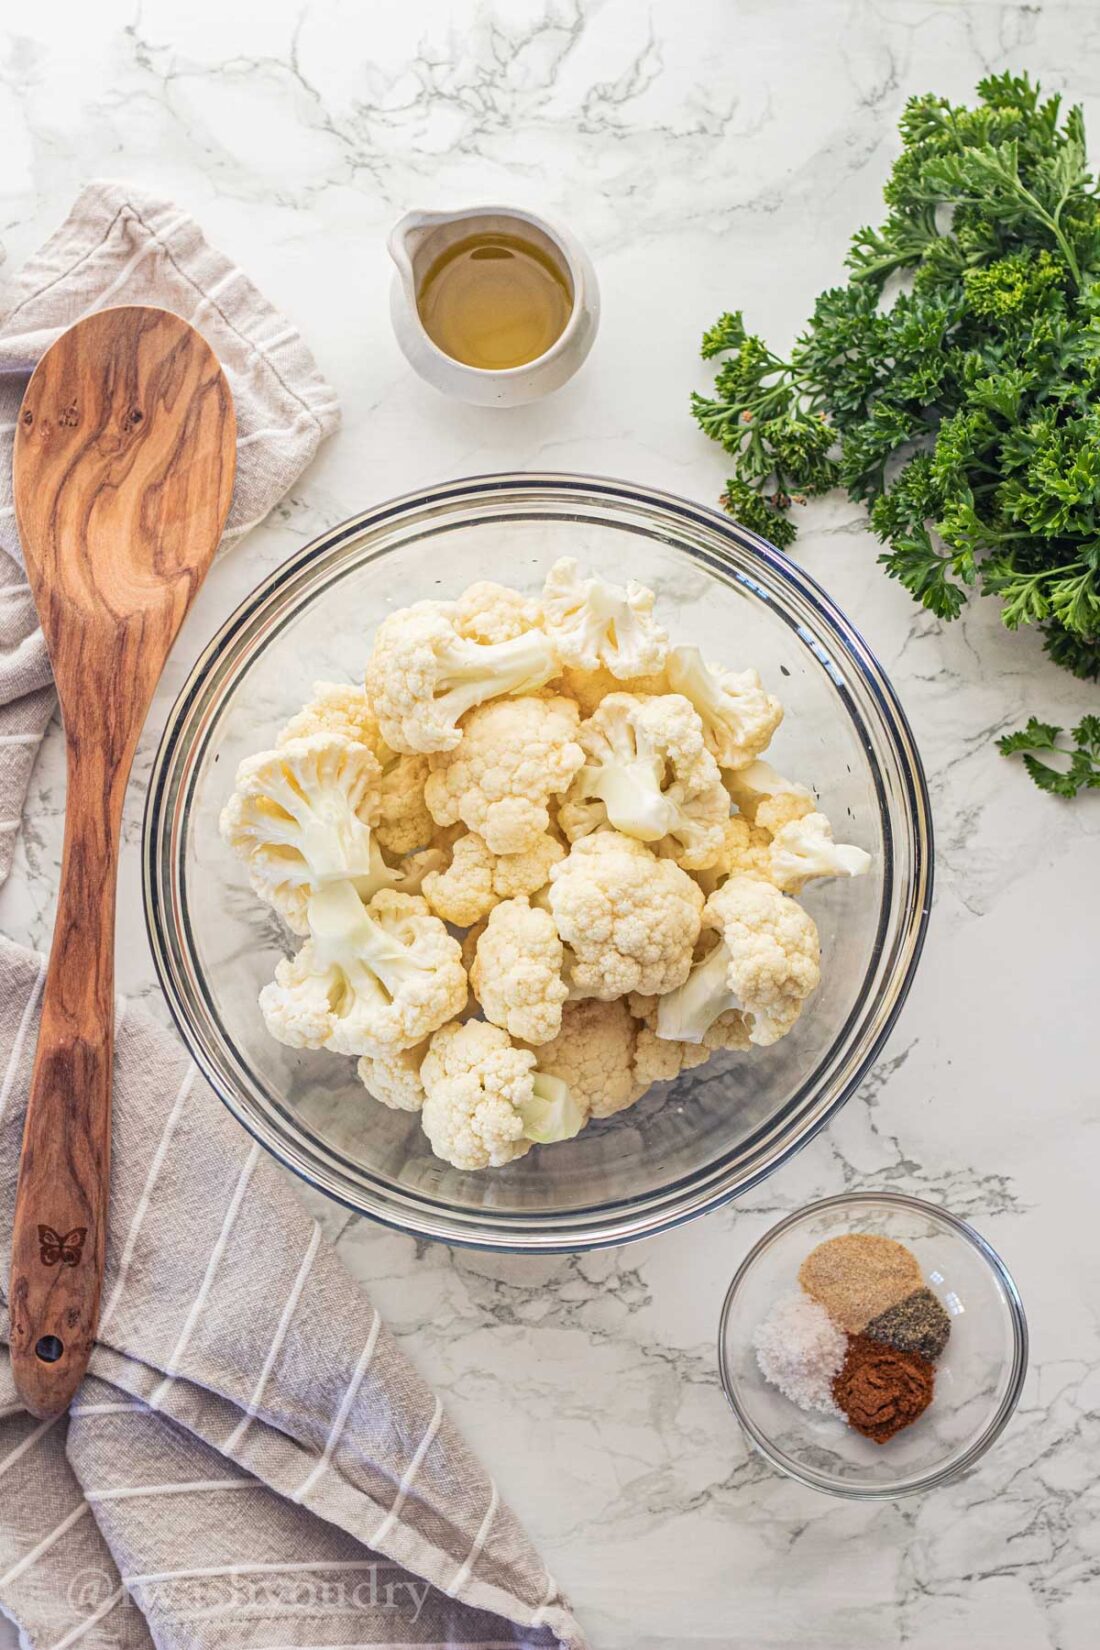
column 767, row 799
column 649, row 773
column 593, row 811
column 423, row 675
column 485, row 1102
column 766, row 963
column 301, row 816
column 656, row 1059
column 594, row 1054
column 343, row 708
column 516, row 975
column 526, row 873
column 392, row 1076
column 745, row 850
column 730, row 1031
column 552, row 1113
column 476, row 879
column 488, row 612
column 590, row 687
column 738, row 716
column 463, row 892
column 804, row 849
column 404, row 822
column 369, row 978
column 514, row 756
column 593, row 623
column 631, row 920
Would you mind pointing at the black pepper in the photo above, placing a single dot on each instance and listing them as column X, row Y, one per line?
column 916, row 1324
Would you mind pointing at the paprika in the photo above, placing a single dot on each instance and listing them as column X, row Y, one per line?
column 880, row 1389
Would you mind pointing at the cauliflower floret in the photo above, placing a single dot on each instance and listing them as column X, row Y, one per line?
column 370, row 978
column 526, row 873
column 403, row 819
column 594, row 1054
column 630, row 919
column 650, row 774
column 514, row 756
column 745, row 850
column 463, row 892
column 486, row 1104
column 488, row 612
column 590, row 687
column 404, row 822
column 423, row 675
column 301, row 816
column 477, row 879
column 594, row 623
column 392, row 1076
column 343, row 708
column 804, row 848
column 765, row 965
column 516, row 976
column 655, row 1061
column 738, row 716
column 767, row 799
column 658, row 1057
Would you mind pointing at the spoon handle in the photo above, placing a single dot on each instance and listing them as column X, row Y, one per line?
column 60, row 1228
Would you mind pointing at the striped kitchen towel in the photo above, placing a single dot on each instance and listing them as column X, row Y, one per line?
column 120, row 245
column 251, row 1462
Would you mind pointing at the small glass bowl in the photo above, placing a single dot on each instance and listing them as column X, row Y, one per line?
column 978, row 1377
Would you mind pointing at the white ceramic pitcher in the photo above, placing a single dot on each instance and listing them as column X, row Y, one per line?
column 414, row 244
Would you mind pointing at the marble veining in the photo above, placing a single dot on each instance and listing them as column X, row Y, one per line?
column 711, row 154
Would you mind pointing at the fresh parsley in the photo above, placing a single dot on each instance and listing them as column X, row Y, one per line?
column 953, row 384
column 1082, row 770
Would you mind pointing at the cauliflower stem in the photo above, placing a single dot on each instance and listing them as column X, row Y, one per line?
column 687, row 1014
column 471, row 672
column 629, row 786
column 346, row 937
column 551, row 1114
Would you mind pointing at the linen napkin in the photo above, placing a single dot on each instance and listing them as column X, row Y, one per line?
column 120, row 245
column 251, row 1462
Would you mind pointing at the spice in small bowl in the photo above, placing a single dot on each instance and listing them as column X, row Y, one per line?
column 880, row 1390
column 861, row 1340
column 858, row 1275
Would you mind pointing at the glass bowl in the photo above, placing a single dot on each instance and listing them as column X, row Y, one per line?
column 979, row 1375
column 684, row 1148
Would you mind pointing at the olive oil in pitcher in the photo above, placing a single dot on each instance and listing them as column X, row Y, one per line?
column 494, row 301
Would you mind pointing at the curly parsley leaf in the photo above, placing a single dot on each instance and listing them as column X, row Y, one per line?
column 1081, row 772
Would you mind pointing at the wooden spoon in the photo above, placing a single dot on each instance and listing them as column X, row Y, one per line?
column 124, row 458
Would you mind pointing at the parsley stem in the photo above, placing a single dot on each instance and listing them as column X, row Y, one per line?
column 1056, row 230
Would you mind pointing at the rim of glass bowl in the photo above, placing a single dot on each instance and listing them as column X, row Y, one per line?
column 703, row 534
column 923, row 1481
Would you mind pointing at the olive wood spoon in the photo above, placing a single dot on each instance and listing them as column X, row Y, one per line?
column 125, row 452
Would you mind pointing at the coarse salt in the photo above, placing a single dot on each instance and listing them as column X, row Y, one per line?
column 800, row 1350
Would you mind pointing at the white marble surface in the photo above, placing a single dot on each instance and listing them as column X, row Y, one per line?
column 709, row 152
